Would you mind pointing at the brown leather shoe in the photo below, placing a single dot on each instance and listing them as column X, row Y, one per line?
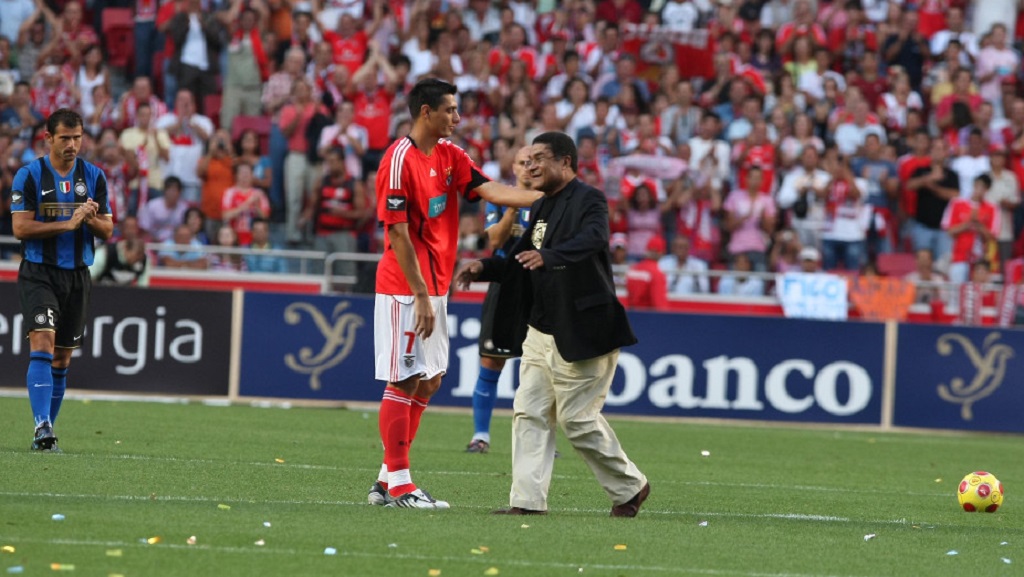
column 632, row 507
column 518, row 511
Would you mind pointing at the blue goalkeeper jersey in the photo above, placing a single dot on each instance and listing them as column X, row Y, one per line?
column 41, row 190
column 494, row 213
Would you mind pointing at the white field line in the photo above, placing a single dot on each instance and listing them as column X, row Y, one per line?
column 490, row 561
column 339, row 503
column 375, row 470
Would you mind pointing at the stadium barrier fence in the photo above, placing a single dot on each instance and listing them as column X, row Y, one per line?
column 258, row 346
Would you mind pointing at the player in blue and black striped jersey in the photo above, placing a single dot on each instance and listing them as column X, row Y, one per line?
column 504, row 226
column 59, row 208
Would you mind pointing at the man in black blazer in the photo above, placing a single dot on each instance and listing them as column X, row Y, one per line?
column 558, row 306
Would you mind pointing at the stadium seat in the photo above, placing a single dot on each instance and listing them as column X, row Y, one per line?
column 896, row 264
column 261, row 124
column 118, row 36
column 211, row 108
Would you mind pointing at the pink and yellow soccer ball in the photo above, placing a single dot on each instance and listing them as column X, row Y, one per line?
column 980, row 491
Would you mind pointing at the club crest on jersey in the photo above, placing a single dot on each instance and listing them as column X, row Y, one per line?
column 448, row 176
column 409, row 360
column 65, row 187
column 80, row 188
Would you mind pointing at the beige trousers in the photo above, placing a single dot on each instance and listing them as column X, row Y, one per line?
column 554, row 391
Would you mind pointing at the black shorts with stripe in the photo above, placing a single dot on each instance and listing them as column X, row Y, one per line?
column 55, row 299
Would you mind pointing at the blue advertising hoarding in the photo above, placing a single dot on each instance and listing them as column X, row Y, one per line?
column 136, row 341
column 959, row 378
column 312, row 347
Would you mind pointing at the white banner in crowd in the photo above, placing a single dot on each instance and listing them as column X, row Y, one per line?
column 818, row 296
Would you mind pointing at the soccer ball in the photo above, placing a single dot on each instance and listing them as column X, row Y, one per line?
column 980, row 491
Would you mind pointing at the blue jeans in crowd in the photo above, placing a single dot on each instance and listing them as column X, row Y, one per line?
column 934, row 239
column 852, row 254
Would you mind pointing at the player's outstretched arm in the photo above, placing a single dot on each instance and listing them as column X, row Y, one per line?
column 504, row 195
column 467, row 273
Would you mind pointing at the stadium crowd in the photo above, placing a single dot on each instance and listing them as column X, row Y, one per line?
column 756, row 135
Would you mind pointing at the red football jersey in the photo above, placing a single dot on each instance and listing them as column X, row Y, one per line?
column 423, row 191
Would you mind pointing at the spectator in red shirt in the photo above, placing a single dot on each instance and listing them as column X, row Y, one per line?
column 646, row 284
column 142, row 91
column 803, row 25
column 372, row 102
column 71, row 34
column 243, row 203
column 872, row 85
column 512, row 47
column 350, row 44
column 299, row 178
column 619, row 11
column 973, row 223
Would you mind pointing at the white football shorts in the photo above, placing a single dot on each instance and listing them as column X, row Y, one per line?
column 399, row 352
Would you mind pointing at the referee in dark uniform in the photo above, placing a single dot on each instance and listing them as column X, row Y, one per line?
column 59, row 207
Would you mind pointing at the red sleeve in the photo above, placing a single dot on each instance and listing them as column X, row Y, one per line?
column 264, row 204
column 659, row 289
column 871, row 40
column 785, row 31
column 818, row 35
column 392, row 180
column 466, row 177
column 836, row 38
column 166, row 12
column 287, row 115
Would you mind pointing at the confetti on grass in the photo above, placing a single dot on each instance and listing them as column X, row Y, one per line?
column 869, row 536
column 330, row 551
column 224, row 507
column 434, row 572
column 10, row 549
column 62, row 567
column 57, row 517
column 620, row 547
column 191, row 540
column 114, row 553
column 492, row 571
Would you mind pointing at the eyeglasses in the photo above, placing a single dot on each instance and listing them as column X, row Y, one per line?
column 539, row 159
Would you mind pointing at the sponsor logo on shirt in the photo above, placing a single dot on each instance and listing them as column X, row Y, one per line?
column 396, row 203
column 437, row 206
column 16, row 197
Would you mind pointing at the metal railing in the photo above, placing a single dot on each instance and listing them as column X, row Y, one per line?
column 322, row 264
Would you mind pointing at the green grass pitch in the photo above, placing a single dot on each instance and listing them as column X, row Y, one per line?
column 766, row 502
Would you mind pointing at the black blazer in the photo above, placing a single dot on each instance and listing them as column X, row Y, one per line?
column 576, row 280
column 214, row 32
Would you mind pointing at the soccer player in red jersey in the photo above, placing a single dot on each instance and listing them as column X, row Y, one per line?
column 419, row 182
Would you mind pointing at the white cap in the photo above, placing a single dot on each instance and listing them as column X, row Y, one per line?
column 810, row 253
